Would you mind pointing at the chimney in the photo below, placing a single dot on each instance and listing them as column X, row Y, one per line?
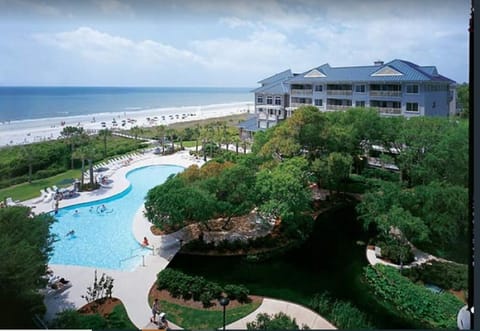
column 378, row 63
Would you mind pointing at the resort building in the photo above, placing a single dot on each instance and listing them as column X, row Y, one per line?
column 396, row 88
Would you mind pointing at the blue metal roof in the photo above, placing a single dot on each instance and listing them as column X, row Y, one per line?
column 250, row 124
column 409, row 72
column 280, row 76
column 276, row 88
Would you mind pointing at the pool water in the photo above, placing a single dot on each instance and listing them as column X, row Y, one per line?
column 103, row 237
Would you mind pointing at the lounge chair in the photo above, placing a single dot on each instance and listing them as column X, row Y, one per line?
column 49, row 197
column 10, row 202
column 43, row 196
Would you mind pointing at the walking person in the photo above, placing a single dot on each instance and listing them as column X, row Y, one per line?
column 155, row 311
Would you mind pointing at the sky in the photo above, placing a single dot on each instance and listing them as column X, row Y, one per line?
column 221, row 43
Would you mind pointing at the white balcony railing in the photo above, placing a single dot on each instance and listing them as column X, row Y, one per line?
column 338, row 107
column 385, row 93
column 386, row 110
column 301, row 92
column 297, row 104
column 339, row 92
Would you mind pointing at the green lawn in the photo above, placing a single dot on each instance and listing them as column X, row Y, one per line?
column 190, row 318
column 191, row 143
column 27, row 191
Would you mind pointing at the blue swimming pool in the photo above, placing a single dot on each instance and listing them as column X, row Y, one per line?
column 104, row 239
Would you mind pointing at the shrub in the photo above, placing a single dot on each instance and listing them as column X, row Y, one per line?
column 279, row 321
column 206, row 299
column 446, row 275
column 395, row 250
column 342, row 314
column 236, row 292
column 196, row 288
column 414, row 303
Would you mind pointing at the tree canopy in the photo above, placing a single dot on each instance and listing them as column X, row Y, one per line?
column 25, row 246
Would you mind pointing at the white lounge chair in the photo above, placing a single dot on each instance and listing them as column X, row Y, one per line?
column 49, row 197
column 42, row 197
column 10, row 202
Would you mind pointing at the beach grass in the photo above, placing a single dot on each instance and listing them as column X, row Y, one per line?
column 231, row 120
column 27, row 191
column 197, row 319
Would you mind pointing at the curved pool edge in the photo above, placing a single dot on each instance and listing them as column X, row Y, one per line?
column 120, row 181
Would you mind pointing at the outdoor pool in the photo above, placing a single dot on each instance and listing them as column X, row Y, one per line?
column 104, row 239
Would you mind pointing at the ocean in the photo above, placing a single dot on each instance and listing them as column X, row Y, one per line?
column 29, row 103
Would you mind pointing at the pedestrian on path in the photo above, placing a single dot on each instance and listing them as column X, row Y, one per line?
column 155, row 311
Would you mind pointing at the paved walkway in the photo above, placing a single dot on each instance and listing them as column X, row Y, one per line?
column 302, row 315
column 132, row 287
column 419, row 256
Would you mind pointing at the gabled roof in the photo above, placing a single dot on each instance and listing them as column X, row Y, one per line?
column 275, row 84
column 250, row 124
column 396, row 70
column 280, row 76
column 276, row 88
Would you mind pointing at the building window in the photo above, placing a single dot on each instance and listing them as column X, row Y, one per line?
column 318, row 88
column 412, row 106
column 278, row 101
column 360, row 88
column 269, row 100
column 272, row 112
column 359, row 103
column 260, row 99
column 413, row 89
column 319, row 102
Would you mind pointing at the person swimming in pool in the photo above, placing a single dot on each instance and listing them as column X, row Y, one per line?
column 70, row 233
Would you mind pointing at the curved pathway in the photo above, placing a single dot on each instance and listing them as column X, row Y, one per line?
column 132, row 287
column 302, row 315
column 420, row 257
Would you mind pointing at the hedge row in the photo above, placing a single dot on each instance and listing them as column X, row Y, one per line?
column 198, row 288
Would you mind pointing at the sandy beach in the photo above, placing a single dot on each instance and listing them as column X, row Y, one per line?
column 29, row 131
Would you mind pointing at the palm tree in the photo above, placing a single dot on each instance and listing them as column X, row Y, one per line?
column 90, row 154
column 160, row 135
column 72, row 135
column 236, row 140
column 196, row 135
column 170, row 132
column 27, row 153
column 105, row 132
column 81, row 154
column 136, row 131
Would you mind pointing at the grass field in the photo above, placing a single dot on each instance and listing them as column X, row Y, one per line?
column 196, row 319
column 27, row 191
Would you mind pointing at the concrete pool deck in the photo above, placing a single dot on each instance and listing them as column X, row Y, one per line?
column 132, row 287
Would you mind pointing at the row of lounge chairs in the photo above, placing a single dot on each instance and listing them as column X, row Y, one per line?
column 115, row 163
column 46, row 195
column 10, row 202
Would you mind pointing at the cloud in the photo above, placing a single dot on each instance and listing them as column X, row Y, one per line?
column 108, row 49
column 114, row 7
column 30, row 7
